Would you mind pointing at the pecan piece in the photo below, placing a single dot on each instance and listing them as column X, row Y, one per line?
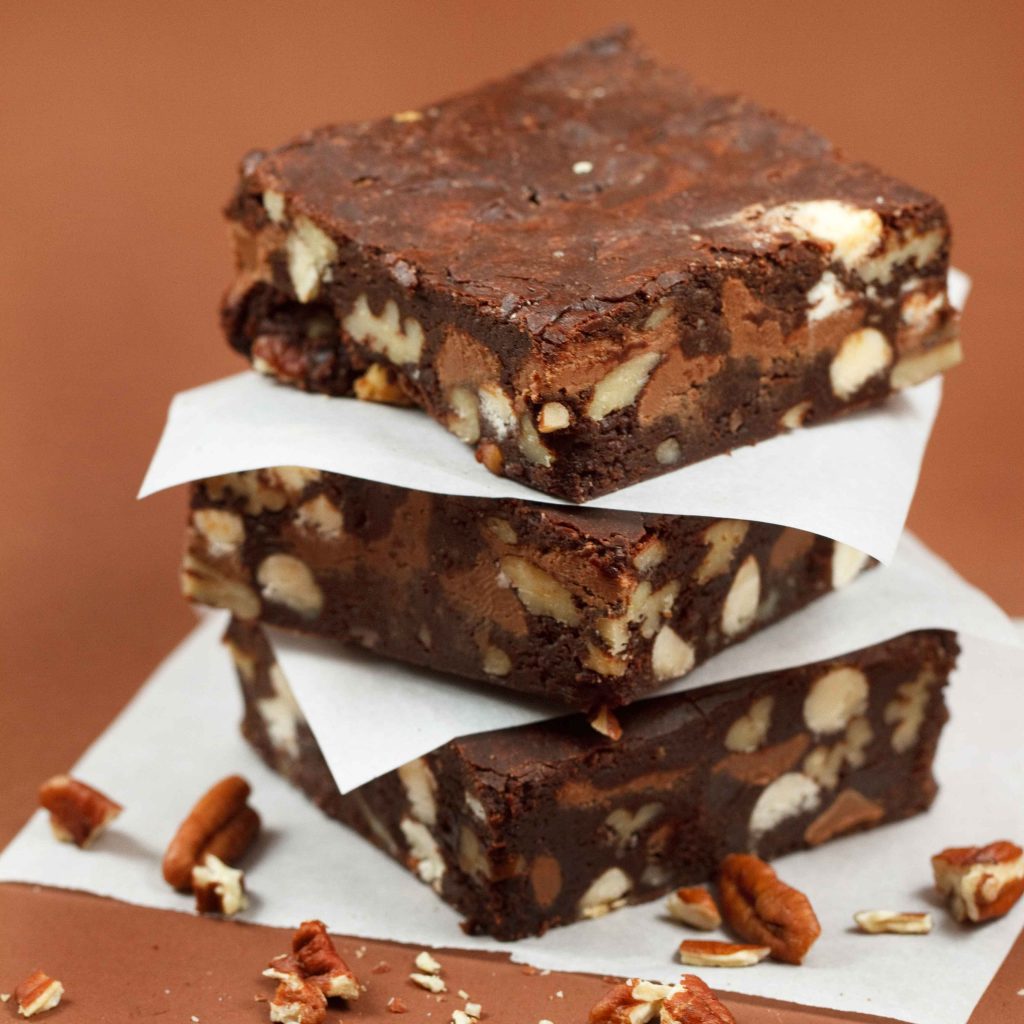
column 980, row 882
column 78, row 813
column 221, row 823
column 692, row 1002
column 631, row 1002
column 701, row 953
column 298, row 1001
column 218, row 889
column 314, row 959
column 694, row 906
column 893, row 922
column 762, row 909
column 37, row 994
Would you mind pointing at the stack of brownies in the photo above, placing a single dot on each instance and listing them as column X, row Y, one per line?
column 593, row 272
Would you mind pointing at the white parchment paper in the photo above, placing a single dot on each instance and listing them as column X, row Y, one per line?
column 852, row 479
column 180, row 734
column 346, row 694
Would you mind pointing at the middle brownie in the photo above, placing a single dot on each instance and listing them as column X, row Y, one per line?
column 586, row 607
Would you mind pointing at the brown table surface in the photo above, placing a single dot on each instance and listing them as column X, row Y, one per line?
column 121, row 128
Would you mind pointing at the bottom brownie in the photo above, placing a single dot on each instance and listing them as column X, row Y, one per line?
column 522, row 829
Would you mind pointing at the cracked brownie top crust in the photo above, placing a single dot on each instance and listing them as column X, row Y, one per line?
column 594, row 270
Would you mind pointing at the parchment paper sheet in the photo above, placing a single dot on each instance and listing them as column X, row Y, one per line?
column 347, row 694
column 852, row 479
column 180, row 734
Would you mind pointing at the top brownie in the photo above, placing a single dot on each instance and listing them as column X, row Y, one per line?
column 593, row 270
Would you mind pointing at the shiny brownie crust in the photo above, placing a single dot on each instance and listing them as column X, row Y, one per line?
column 593, row 271
column 527, row 828
column 585, row 607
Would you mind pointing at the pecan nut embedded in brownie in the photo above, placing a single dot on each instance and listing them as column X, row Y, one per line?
column 522, row 829
column 585, row 607
column 594, row 270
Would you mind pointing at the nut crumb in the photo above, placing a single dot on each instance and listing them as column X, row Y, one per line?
column 37, row 994
column 431, row 982
column 427, row 964
column 382, row 968
column 395, row 1005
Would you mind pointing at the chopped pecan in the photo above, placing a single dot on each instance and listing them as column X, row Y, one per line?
column 298, row 1001
column 695, row 906
column 314, row 959
column 632, row 1002
column 980, row 882
column 218, row 889
column 604, row 721
column 638, row 1002
column 38, row 993
column 78, row 813
column 700, row 953
column 221, row 823
column 692, row 1002
column 762, row 909
column 878, row 922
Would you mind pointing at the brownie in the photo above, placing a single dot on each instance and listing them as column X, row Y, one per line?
column 526, row 828
column 586, row 607
column 593, row 270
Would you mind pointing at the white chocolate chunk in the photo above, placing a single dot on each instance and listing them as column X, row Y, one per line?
column 671, row 655
column 834, row 699
column 749, row 731
column 553, row 416
column 606, row 893
column 789, row 795
column 826, row 298
column 862, row 355
column 286, row 580
column 852, row 232
column 668, row 453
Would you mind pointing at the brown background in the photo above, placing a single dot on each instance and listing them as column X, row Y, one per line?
column 120, row 129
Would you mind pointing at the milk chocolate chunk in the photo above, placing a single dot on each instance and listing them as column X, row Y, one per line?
column 527, row 828
column 593, row 271
column 586, row 607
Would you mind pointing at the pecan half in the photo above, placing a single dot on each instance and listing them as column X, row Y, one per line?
column 762, row 909
column 78, row 813
column 980, row 882
column 314, row 959
column 701, row 953
column 221, row 823
column 692, row 1002
column 38, row 993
